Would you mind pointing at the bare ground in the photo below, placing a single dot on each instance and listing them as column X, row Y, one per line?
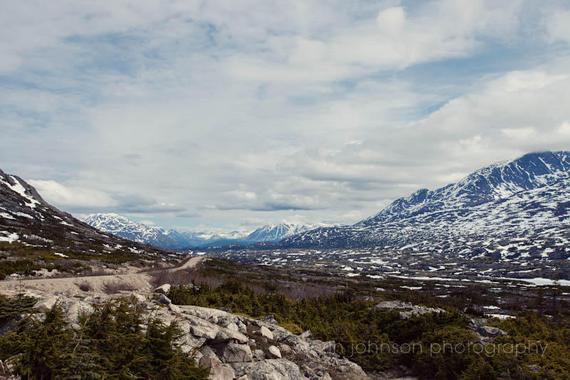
column 70, row 286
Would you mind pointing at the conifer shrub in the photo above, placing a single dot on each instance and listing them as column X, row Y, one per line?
column 375, row 338
column 109, row 343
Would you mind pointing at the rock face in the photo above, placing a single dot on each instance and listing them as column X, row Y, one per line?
column 258, row 349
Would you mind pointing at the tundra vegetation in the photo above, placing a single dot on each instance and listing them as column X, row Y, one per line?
column 433, row 345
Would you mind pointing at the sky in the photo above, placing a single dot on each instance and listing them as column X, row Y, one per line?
column 226, row 115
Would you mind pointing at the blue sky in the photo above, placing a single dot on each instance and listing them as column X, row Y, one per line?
column 228, row 115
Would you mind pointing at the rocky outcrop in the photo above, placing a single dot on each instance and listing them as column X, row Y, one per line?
column 485, row 332
column 406, row 309
column 233, row 346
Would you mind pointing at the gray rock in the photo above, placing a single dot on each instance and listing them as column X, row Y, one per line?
column 235, row 353
column 258, row 354
column 272, row 369
column 163, row 289
column 233, row 326
column 269, row 319
column 490, row 331
column 77, row 308
column 274, row 352
column 218, row 370
column 204, row 329
column 46, row 304
column 406, row 309
column 174, row 308
column 265, row 332
column 224, row 335
column 285, row 349
column 164, row 299
column 242, row 327
column 222, row 372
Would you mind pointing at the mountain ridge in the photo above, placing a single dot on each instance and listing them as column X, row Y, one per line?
column 26, row 218
column 119, row 225
column 500, row 202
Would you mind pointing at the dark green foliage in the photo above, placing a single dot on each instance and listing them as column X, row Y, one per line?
column 379, row 340
column 108, row 344
column 11, row 308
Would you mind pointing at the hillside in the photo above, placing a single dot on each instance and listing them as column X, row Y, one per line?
column 26, row 219
column 513, row 209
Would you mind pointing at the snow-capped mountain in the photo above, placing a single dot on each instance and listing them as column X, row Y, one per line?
column 519, row 207
column 276, row 232
column 121, row 226
column 26, row 218
column 172, row 239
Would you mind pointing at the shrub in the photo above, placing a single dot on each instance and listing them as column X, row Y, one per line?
column 109, row 343
column 115, row 287
column 85, row 286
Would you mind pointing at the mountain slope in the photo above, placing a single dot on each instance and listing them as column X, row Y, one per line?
column 26, row 218
column 519, row 207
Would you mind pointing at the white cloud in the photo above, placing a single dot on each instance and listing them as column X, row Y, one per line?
column 222, row 113
column 72, row 197
column 557, row 25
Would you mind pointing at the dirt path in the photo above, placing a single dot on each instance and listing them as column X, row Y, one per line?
column 139, row 281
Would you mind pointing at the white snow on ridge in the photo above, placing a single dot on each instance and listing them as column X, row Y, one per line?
column 10, row 238
column 17, row 187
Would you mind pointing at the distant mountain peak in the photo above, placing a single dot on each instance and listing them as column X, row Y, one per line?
column 276, row 232
column 122, row 226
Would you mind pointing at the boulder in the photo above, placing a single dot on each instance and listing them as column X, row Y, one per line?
column 163, row 299
column 285, row 349
column 225, row 335
column 233, row 326
column 46, row 304
column 265, row 332
column 222, row 372
column 173, row 308
column 203, row 329
column 274, row 352
column 77, row 308
column 235, row 353
column 163, row 289
column 490, row 331
column 271, row 369
column 258, row 354
column 218, row 370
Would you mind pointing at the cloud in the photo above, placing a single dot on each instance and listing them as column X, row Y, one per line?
column 80, row 199
column 222, row 113
column 558, row 25
column 72, row 197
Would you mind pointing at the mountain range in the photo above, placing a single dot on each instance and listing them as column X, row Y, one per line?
column 514, row 209
column 511, row 209
column 27, row 219
column 121, row 226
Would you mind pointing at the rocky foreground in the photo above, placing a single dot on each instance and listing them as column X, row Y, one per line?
column 232, row 346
